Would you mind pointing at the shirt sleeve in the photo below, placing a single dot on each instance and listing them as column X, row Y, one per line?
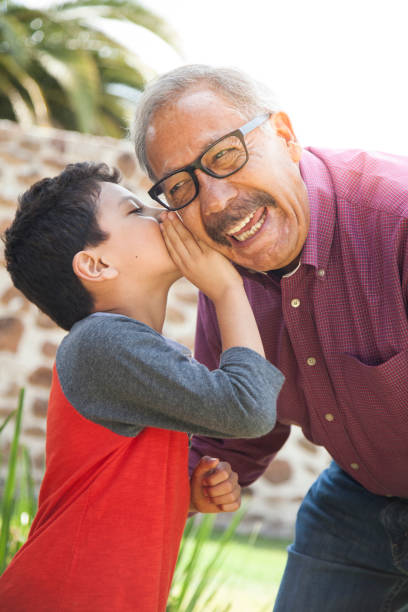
column 123, row 375
column 249, row 458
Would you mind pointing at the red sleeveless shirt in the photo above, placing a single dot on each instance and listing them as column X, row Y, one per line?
column 111, row 514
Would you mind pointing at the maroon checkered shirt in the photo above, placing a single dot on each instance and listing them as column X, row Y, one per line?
column 337, row 328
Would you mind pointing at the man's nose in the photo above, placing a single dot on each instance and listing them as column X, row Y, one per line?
column 215, row 194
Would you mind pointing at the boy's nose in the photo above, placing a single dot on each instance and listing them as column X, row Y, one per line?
column 152, row 211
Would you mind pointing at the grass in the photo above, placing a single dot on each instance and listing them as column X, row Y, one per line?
column 249, row 576
column 17, row 504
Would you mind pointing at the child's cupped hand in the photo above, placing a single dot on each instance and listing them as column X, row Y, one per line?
column 214, row 487
column 210, row 271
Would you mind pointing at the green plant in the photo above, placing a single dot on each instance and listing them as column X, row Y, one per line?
column 194, row 586
column 61, row 65
column 18, row 503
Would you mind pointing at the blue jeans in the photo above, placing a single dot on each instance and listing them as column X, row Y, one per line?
column 350, row 552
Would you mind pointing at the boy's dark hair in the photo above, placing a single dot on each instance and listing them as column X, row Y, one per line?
column 54, row 220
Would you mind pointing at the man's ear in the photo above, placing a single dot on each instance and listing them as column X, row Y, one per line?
column 283, row 128
column 88, row 266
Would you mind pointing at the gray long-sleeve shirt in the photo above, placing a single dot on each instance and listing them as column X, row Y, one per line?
column 122, row 374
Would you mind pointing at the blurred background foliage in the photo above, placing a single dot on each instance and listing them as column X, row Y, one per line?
column 61, row 67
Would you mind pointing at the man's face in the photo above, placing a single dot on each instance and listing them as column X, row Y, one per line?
column 257, row 217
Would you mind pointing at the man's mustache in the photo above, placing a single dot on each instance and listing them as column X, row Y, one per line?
column 218, row 224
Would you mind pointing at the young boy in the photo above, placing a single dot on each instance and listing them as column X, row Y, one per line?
column 115, row 494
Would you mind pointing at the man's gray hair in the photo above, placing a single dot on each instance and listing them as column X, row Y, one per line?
column 245, row 94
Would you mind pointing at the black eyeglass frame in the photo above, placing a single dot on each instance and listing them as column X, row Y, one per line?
column 155, row 191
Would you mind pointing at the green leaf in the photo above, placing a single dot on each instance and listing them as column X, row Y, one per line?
column 8, row 499
column 209, row 572
column 7, row 419
column 56, row 64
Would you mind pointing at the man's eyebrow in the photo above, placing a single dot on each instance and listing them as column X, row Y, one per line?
column 203, row 149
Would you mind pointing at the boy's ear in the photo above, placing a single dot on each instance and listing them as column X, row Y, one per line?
column 88, row 266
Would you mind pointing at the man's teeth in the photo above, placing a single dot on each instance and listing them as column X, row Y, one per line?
column 241, row 224
column 250, row 232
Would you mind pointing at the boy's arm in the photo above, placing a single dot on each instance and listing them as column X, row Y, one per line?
column 237, row 326
column 125, row 376
column 217, row 278
column 248, row 457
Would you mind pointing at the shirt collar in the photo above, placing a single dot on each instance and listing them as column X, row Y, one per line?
column 322, row 203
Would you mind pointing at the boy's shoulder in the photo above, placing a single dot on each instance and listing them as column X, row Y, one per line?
column 107, row 366
column 100, row 337
column 105, row 327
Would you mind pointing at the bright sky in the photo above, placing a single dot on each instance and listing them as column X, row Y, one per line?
column 338, row 67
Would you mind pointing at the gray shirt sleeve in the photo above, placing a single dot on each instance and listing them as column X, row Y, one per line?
column 122, row 374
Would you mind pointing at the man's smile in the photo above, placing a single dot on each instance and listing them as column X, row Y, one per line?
column 249, row 226
column 242, row 220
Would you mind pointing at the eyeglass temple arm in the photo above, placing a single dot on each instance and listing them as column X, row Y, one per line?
column 254, row 123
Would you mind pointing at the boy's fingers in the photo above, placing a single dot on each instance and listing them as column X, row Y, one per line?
column 219, row 474
column 230, row 507
column 228, row 498
column 204, row 465
column 204, row 247
column 178, row 251
column 176, row 247
column 183, row 234
column 174, row 254
column 223, row 488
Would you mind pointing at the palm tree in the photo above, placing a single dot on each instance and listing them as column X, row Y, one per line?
column 59, row 67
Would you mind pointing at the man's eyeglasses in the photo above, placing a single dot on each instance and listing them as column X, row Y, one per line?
column 222, row 158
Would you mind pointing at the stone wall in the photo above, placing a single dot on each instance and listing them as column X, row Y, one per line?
column 29, row 339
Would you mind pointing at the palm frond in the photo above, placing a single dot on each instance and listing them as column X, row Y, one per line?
column 58, row 65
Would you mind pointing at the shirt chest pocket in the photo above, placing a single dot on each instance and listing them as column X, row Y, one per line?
column 380, row 389
column 374, row 406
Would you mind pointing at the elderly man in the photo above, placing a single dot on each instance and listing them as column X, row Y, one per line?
column 320, row 238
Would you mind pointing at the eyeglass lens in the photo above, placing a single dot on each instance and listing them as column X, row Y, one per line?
column 223, row 158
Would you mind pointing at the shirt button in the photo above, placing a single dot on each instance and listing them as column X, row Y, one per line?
column 295, row 303
column 321, row 272
column 311, row 361
column 354, row 466
column 329, row 417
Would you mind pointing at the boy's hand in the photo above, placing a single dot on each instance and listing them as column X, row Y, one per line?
column 210, row 271
column 214, row 487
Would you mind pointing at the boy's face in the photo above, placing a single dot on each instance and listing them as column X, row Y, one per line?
column 135, row 247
